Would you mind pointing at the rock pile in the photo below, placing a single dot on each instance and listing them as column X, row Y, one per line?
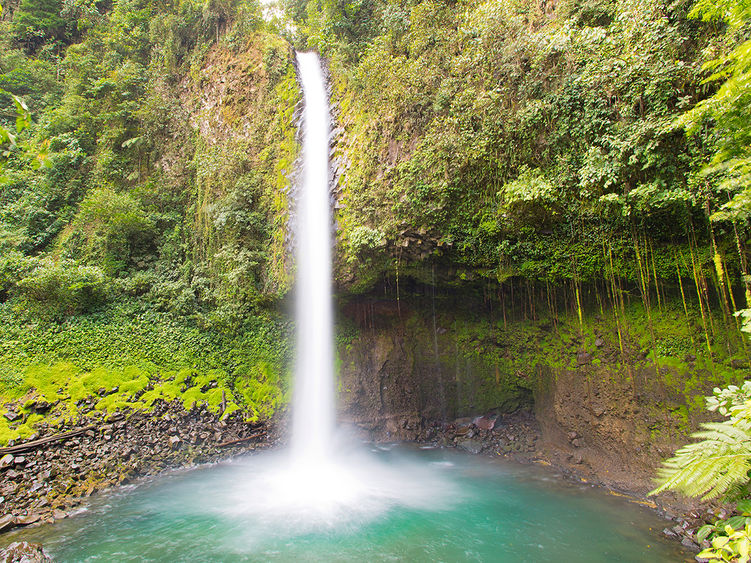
column 24, row 552
column 688, row 524
column 41, row 483
column 510, row 435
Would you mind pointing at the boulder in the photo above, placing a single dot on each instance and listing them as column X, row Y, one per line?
column 7, row 522
column 12, row 416
column 58, row 514
column 6, row 461
column 485, row 422
column 28, row 519
column 689, row 544
column 40, row 406
column 24, row 552
column 583, row 358
column 470, row 445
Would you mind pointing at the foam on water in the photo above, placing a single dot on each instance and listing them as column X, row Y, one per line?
column 348, row 490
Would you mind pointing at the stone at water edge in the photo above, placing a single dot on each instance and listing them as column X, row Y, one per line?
column 6, row 461
column 24, row 552
column 28, row 519
column 58, row 514
column 472, row 446
column 7, row 522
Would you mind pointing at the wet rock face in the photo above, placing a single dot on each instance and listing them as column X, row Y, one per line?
column 24, row 552
column 43, row 483
column 414, row 362
column 608, row 428
column 396, row 374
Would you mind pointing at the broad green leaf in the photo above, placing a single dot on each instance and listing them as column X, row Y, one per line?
column 703, row 532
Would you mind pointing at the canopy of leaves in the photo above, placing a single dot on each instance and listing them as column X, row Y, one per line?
column 727, row 109
column 142, row 175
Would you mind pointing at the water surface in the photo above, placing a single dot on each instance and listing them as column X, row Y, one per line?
column 390, row 504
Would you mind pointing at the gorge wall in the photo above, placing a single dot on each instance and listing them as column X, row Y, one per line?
column 610, row 414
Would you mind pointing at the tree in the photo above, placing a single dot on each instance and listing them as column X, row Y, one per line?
column 9, row 143
column 728, row 108
column 36, row 21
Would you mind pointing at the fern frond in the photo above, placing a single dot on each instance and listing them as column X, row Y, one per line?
column 709, row 468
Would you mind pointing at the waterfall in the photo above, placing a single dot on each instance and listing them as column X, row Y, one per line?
column 313, row 399
column 318, row 484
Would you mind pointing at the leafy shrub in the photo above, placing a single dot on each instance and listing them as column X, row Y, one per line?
column 529, row 200
column 55, row 289
column 719, row 528
column 362, row 240
column 733, row 545
column 13, row 267
column 110, row 229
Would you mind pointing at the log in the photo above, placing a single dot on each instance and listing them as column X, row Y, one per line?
column 34, row 444
column 241, row 440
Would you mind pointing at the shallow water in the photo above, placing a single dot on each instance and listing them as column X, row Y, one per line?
column 389, row 504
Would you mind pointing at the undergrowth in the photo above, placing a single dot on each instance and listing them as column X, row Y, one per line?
column 128, row 356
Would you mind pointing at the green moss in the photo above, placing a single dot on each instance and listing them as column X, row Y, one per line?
column 260, row 389
column 144, row 353
column 67, row 384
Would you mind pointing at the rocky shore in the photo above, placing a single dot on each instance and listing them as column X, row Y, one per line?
column 511, row 435
column 45, row 477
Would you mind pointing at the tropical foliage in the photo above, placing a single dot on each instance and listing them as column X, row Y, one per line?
column 719, row 463
column 131, row 180
column 733, row 545
column 496, row 137
column 146, row 149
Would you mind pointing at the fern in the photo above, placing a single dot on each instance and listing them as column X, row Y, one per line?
column 721, row 460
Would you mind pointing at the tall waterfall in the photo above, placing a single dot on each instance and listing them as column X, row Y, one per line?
column 313, row 400
column 319, row 484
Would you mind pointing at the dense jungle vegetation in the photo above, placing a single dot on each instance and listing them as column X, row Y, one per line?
column 574, row 140
column 580, row 149
column 130, row 190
